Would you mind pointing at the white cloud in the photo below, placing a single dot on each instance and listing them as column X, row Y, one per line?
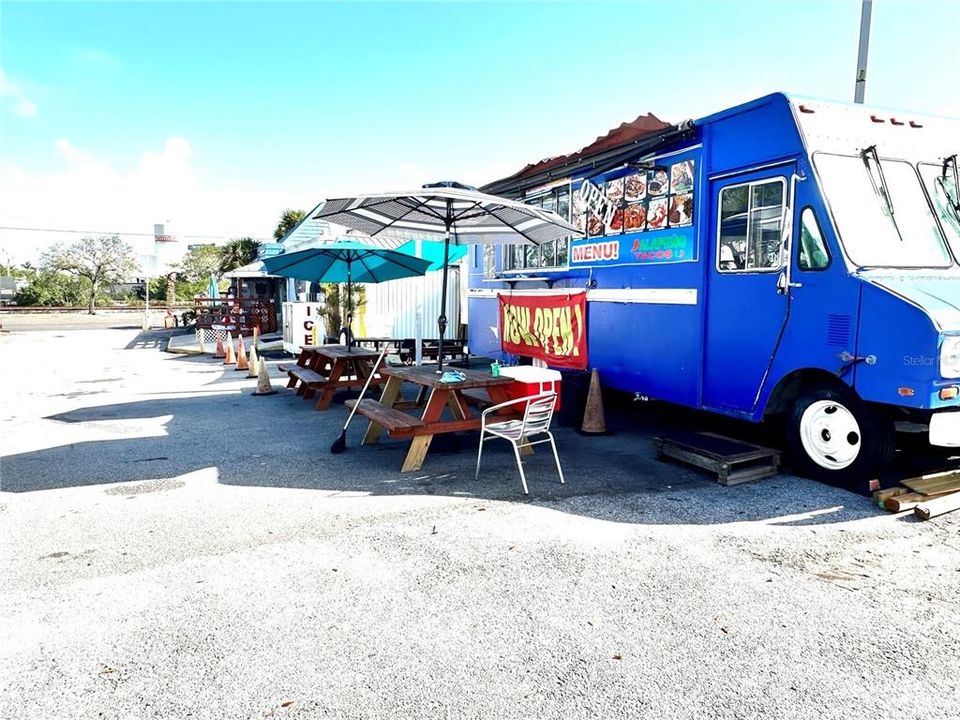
column 12, row 95
column 95, row 194
column 25, row 107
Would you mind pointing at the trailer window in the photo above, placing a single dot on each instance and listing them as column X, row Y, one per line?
column 812, row 253
column 751, row 221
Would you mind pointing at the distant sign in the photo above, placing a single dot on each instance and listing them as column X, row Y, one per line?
column 269, row 250
column 160, row 234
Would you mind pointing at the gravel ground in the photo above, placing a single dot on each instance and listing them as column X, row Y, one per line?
column 174, row 547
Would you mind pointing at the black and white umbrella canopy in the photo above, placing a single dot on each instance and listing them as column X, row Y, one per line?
column 467, row 215
column 458, row 213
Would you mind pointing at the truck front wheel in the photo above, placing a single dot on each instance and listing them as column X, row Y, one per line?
column 834, row 436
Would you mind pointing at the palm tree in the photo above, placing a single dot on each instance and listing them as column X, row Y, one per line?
column 289, row 220
column 237, row 252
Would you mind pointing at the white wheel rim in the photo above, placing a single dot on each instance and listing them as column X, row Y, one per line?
column 830, row 435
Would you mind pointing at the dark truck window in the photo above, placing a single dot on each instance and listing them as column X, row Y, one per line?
column 751, row 220
column 812, row 253
column 549, row 255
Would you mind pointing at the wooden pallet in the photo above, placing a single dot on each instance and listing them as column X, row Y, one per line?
column 733, row 461
column 917, row 490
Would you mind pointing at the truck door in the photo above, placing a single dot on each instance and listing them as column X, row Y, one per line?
column 746, row 307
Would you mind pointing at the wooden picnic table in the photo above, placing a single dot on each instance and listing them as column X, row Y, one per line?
column 388, row 415
column 329, row 368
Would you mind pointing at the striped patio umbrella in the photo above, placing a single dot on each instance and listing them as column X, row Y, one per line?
column 458, row 213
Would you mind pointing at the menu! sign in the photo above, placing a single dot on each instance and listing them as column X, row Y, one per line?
column 551, row 328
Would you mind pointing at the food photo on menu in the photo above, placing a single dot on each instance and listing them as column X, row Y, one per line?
column 635, row 217
column 681, row 210
column 579, row 211
column 616, row 222
column 681, row 177
column 635, row 187
column 658, row 183
column 615, row 191
column 657, row 214
column 595, row 226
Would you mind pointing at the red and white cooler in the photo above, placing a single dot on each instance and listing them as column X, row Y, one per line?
column 529, row 380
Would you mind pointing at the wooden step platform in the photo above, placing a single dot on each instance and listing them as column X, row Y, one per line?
column 732, row 460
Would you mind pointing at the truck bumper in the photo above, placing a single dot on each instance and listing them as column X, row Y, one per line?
column 945, row 429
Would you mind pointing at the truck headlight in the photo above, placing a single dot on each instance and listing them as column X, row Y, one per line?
column 950, row 357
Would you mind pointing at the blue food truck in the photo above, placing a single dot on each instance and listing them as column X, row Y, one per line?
column 785, row 257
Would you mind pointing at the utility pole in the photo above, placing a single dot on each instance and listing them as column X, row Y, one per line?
column 861, row 84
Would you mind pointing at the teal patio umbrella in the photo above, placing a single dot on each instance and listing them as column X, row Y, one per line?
column 346, row 261
column 432, row 251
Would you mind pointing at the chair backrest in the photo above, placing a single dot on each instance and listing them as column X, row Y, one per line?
column 539, row 413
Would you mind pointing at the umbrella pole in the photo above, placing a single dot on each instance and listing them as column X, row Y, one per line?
column 349, row 306
column 442, row 320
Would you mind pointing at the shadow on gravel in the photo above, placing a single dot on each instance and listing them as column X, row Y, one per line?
column 281, row 441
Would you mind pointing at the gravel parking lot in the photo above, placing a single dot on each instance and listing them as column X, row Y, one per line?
column 175, row 547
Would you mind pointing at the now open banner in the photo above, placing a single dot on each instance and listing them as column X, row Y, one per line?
column 551, row 328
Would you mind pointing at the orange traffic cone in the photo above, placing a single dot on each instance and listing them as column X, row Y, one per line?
column 254, row 369
column 242, row 363
column 229, row 359
column 219, row 353
column 594, row 422
column 263, row 381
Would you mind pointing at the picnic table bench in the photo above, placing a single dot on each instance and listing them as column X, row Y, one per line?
column 329, row 368
column 387, row 416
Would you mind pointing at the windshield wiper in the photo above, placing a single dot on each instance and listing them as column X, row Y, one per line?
column 953, row 200
column 881, row 190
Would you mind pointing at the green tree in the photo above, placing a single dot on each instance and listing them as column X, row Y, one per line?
column 238, row 252
column 101, row 261
column 336, row 304
column 289, row 220
column 53, row 289
column 199, row 263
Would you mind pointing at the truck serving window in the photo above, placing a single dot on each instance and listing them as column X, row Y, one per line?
column 942, row 189
column 751, row 220
column 882, row 214
column 549, row 255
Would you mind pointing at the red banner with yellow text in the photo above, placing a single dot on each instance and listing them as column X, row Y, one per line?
column 549, row 327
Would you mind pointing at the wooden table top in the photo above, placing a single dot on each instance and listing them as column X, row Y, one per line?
column 336, row 352
column 427, row 376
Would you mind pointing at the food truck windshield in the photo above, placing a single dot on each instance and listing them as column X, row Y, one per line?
column 882, row 213
column 942, row 187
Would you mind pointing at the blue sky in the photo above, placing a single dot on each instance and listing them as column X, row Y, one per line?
column 216, row 116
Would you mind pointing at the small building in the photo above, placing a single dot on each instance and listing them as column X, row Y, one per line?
column 8, row 290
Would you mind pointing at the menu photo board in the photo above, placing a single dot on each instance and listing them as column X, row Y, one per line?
column 655, row 199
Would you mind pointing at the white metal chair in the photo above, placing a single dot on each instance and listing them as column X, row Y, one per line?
column 536, row 421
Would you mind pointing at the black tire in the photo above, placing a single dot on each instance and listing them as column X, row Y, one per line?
column 872, row 442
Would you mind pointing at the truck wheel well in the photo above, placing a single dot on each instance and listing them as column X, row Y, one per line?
column 790, row 387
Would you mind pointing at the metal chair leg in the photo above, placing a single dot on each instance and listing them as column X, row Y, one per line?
column 523, row 478
column 476, row 475
column 556, row 457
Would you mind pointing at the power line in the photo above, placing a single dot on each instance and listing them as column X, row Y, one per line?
column 118, row 232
